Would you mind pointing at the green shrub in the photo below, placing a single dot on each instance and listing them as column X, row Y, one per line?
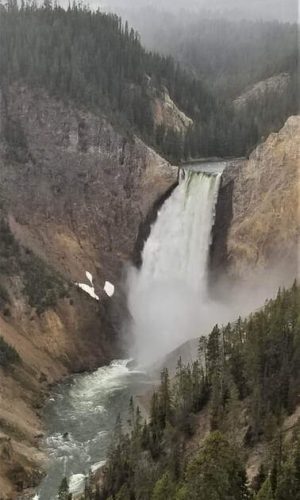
column 8, row 354
column 17, row 147
column 4, row 297
column 9, row 249
column 42, row 285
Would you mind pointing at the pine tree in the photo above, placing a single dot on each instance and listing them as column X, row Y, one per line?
column 165, row 402
column 165, row 488
column 213, row 352
column 216, row 473
column 63, row 492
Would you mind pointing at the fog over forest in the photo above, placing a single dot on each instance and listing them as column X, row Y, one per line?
column 282, row 10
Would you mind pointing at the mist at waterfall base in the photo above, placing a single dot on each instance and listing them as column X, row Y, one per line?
column 168, row 296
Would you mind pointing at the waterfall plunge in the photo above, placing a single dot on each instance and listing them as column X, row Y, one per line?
column 167, row 297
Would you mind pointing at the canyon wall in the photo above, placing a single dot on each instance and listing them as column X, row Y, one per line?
column 276, row 85
column 257, row 220
column 74, row 193
column 80, row 187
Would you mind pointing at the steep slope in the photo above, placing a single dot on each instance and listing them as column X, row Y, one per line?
column 74, row 193
column 80, row 189
column 230, row 54
column 167, row 115
column 257, row 223
column 71, row 337
column 94, row 60
column 48, row 329
column 265, row 225
column 276, row 85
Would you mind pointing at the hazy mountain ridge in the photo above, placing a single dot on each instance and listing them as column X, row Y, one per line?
column 276, row 84
column 284, row 11
column 98, row 63
column 228, row 55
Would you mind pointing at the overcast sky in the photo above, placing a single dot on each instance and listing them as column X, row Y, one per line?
column 283, row 10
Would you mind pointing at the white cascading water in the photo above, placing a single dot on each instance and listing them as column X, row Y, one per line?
column 167, row 296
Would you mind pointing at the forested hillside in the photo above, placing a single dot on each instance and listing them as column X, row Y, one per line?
column 94, row 60
column 99, row 63
column 208, row 421
column 227, row 55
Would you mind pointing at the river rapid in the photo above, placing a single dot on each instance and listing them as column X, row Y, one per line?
column 80, row 417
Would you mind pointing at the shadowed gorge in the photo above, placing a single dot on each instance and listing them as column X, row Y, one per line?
column 145, row 226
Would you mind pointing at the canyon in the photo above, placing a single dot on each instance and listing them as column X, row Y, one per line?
column 80, row 194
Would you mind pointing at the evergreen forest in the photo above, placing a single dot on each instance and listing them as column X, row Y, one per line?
column 98, row 62
column 238, row 396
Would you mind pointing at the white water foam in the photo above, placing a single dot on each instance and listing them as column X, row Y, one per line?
column 82, row 416
column 77, row 483
column 167, row 295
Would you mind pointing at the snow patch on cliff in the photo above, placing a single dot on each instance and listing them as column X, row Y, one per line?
column 109, row 288
column 88, row 288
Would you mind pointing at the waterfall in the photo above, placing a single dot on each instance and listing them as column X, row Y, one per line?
column 167, row 296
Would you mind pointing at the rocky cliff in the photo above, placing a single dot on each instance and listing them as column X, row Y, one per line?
column 166, row 113
column 276, row 85
column 80, row 189
column 74, row 193
column 257, row 222
column 70, row 336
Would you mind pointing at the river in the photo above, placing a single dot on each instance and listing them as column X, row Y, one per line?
column 80, row 417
